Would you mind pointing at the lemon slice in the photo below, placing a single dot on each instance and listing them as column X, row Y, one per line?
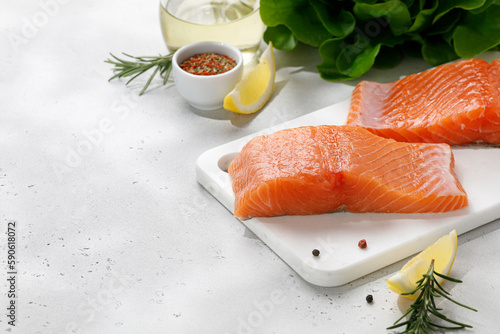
column 255, row 89
column 442, row 251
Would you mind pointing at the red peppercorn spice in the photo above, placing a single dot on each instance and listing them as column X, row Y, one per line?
column 208, row 64
column 362, row 244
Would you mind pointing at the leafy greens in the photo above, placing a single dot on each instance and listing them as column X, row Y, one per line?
column 353, row 36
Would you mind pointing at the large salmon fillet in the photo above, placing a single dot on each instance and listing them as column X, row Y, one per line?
column 313, row 170
column 456, row 103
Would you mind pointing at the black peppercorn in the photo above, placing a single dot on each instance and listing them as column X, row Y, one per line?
column 315, row 252
column 369, row 299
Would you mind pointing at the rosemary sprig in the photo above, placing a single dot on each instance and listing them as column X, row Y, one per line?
column 424, row 307
column 126, row 68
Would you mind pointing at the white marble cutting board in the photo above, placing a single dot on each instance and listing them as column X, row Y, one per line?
column 390, row 237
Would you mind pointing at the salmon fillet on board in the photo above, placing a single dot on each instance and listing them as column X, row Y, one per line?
column 313, row 170
column 456, row 103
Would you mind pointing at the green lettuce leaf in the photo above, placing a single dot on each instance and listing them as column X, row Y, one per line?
column 387, row 57
column 356, row 59
column 446, row 5
column 330, row 51
column 281, row 36
column 353, row 36
column 485, row 6
column 335, row 19
column 478, row 32
column 424, row 16
column 298, row 16
column 393, row 13
column 438, row 51
column 447, row 23
column 353, row 56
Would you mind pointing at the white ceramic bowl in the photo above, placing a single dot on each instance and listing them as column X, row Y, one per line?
column 206, row 92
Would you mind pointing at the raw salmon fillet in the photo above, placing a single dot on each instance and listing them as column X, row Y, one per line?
column 313, row 170
column 456, row 103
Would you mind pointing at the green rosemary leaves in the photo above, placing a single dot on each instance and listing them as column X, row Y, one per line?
column 424, row 307
column 140, row 65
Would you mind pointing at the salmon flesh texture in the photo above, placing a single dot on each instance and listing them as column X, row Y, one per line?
column 313, row 170
column 456, row 103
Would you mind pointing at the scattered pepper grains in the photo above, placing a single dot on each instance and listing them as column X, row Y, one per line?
column 362, row 244
column 369, row 299
column 208, row 64
column 315, row 252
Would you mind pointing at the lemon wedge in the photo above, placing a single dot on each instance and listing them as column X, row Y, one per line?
column 255, row 89
column 442, row 251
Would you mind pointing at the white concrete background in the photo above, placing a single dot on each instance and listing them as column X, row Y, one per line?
column 115, row 235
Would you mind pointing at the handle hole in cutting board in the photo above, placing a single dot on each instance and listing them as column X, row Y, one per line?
column 226, row 160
